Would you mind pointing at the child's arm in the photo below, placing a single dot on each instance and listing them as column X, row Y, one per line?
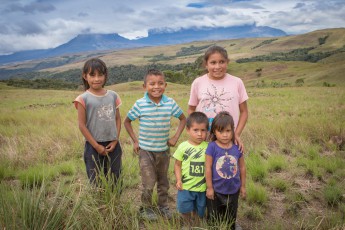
column 241, row 123
column 128, row 125
column 208, row 175
column 178, row 175
column 86, row 133
column 172, row 141
column 191, row 109
column 243, row 191
column 111, row 146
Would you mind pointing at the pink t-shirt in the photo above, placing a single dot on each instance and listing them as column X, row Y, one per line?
column 213, row 96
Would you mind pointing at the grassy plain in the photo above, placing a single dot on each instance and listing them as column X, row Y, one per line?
column 295, row 158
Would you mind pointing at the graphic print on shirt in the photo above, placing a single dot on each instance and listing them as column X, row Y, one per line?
column 196, row 169
column 226, row 166
column 215, row 100
column 105, row 112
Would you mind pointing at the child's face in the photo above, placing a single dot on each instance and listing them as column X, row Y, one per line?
column 155, row 86
column 96, row 80
column 216, row 66
column 224, row 136
column 197, row 133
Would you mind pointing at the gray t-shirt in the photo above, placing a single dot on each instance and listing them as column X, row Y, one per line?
column 100, row 114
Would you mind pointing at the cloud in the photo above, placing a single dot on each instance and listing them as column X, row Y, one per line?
column 31, row 8
column 36, row 24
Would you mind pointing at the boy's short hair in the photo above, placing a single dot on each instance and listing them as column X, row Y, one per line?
column 153, row 72
column 196, row 117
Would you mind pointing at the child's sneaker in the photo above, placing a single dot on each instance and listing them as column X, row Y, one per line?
column 164, row 211
column 147, row 214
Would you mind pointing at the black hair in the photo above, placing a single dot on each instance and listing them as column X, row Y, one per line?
column 153, row 72
column 90, row 67
column 212, row 50
column 197, row 117
column 220, row 122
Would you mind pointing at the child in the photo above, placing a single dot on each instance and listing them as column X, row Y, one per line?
column 190, row 170
column 219, row 91
column 99, row 122
column 225, row 171
column 154, row 112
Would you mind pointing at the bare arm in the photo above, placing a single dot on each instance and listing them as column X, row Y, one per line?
column 243, row 191
column 191, row 109
column 241, row 124
column 128, row 126
column 86, row 133
column 178, row 174
column 208, row 175
column 172, row 141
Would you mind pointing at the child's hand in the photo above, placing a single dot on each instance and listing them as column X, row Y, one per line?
column 136, row 147
column 239, row 142
column 101, row 150
column 210, row 193
column 172, row 141
column 111, row 146
column 179, row 185
column 243, row 192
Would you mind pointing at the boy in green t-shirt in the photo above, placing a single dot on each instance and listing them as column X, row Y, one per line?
column 190, row 170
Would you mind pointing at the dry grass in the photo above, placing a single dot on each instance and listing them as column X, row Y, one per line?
column 289, row 132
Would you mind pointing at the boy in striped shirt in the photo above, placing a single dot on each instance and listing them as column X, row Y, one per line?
column 154, row 112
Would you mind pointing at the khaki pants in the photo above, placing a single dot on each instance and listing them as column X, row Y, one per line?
column 154, row 169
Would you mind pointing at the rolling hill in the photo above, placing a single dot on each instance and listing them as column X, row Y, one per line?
column 325, row 47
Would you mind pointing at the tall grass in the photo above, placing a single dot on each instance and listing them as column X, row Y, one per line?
column 288, row 155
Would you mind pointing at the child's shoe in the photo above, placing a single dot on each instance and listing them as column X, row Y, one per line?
column 147, row 214
column 164, row 211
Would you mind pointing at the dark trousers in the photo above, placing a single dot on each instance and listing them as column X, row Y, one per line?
column 97, row 165
column 154, row 169
column 223, row 208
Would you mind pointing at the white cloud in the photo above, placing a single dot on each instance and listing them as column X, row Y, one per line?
column 38, row 24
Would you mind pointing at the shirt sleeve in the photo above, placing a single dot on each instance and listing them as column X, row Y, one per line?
column 79, row 100
column 193, row 98
column 176, row 110
column 134, row 112
column 210, row 149
column 118, row 101
column 178, row 155
column 243, row 96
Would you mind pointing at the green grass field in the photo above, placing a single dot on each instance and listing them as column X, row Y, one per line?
column 295, row 155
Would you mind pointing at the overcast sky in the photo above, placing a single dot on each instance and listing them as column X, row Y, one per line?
column 41, row 24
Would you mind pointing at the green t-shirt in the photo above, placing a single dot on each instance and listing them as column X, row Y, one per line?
column 193, row 165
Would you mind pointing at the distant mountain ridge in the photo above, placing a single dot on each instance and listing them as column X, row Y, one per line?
column 102, row 42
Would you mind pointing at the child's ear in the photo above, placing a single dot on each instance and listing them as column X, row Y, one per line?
column 144, row 86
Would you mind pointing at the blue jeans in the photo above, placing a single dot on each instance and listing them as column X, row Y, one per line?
column 108, row 165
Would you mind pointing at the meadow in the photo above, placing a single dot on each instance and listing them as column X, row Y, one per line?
column 295, row 156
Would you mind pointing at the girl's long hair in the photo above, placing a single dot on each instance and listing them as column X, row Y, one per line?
column 90, row 67
column 220, row 122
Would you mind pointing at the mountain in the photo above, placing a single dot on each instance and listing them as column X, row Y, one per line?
column 101, row 42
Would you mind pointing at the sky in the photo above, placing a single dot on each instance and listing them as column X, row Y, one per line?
column 42, row 24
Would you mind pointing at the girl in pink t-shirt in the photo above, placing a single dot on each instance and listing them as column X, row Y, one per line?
column 219, row 91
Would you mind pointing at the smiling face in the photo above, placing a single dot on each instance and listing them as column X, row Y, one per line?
column 95, row 80
column 216, row 66
column 155, row 86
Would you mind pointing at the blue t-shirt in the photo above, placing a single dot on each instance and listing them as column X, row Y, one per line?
column 225, row 169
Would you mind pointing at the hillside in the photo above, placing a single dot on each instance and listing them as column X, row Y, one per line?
column 325, row 46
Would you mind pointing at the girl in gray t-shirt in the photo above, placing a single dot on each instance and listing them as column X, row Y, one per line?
column 100, row 123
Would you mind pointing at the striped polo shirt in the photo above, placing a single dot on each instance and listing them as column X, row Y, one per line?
column 154, row 121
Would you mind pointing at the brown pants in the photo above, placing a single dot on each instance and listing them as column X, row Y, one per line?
column 154, row 169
